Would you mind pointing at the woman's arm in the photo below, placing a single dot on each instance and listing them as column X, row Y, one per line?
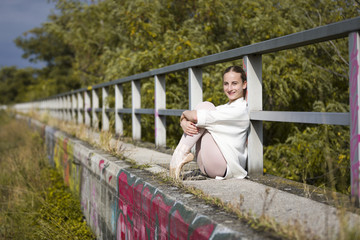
column 190, row 115
column 187, row 122
column 224, row 115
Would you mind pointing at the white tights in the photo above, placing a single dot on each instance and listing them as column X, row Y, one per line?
column 209, row 157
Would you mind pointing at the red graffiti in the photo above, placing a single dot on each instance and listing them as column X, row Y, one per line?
column 203, row 231
column 160, row 213
column 354, row 180
column 354, row 99
column 178, row 228
column 145, row 213
column 101, row 164
column 126, row 201
column 66, row 164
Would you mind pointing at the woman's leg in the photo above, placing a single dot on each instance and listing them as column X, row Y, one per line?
column 182, row 153
column 209, row 157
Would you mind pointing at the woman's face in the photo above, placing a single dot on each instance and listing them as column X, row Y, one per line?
column 233, row 86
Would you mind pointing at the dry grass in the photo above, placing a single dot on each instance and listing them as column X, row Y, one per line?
column 30, row 189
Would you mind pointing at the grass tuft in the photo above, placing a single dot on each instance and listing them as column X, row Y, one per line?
column 34, row 202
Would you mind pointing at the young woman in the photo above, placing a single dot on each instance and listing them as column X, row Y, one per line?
column 220, row 133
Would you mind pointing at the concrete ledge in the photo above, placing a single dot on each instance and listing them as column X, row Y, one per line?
column 124, row 203
column 120, row 202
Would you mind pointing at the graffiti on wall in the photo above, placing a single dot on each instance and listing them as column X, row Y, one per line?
column 50, row 144
column 354, row 106
column 144, row 212
column 135, row 209
column 64, row 161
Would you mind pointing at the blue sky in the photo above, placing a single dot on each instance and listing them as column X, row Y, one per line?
column 16, row 17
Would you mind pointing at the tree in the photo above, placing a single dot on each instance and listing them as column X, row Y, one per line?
column 85, row 44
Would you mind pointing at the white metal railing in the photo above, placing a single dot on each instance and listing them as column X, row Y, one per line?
column 84, row 103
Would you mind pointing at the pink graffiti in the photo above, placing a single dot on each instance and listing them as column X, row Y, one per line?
column 66, row 164
column 143, row 214
column 126, row 200
column 160, row 212
column 203, row 231
column 354, row 180
column 94, row 214
column 355, row 138
column 245, row 69
column 101, row 164
column 179, row 228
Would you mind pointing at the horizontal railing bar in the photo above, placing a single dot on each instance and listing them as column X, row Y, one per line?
column 98, row 110
column 302, row 117
column 311, row 36
column 315, row 35
column 124, row 110
column 171, row 112
column 144, row 111
column 65, row 93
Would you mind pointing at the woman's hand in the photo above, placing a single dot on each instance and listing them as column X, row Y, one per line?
column 188, row 127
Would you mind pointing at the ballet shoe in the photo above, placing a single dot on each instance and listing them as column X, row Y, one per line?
column 181, row 156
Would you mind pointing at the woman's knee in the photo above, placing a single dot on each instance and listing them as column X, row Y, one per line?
column 205, row 105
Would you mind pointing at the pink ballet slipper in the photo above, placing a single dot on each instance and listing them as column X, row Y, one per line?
column 181, row 156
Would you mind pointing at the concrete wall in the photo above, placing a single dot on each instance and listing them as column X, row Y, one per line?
column 117, row 203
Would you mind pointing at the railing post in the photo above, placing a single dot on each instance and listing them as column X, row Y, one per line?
column 119, row 104
column 87, row 106
column 253, row 68
column 52, row 106
column 354, row 74
column 195, row 87
column 63, row 108
column 40, row 106
column 55, row 108
column 64, row 105
column 105, row 105
column 135, row 103
column 95, row 106
column 73, row 107
column 68, row 107
column 160, row 103
column 59, row 108
column 80, row 104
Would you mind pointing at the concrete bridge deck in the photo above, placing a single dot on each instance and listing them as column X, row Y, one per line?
column 289, row 204
column 300, row 211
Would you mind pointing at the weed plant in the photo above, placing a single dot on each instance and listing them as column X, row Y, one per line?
column 34, row 202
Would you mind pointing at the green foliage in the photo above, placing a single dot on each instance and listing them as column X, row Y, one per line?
column 317, row 155
column 60, row 214
column 85, row 44
column 13, row 84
